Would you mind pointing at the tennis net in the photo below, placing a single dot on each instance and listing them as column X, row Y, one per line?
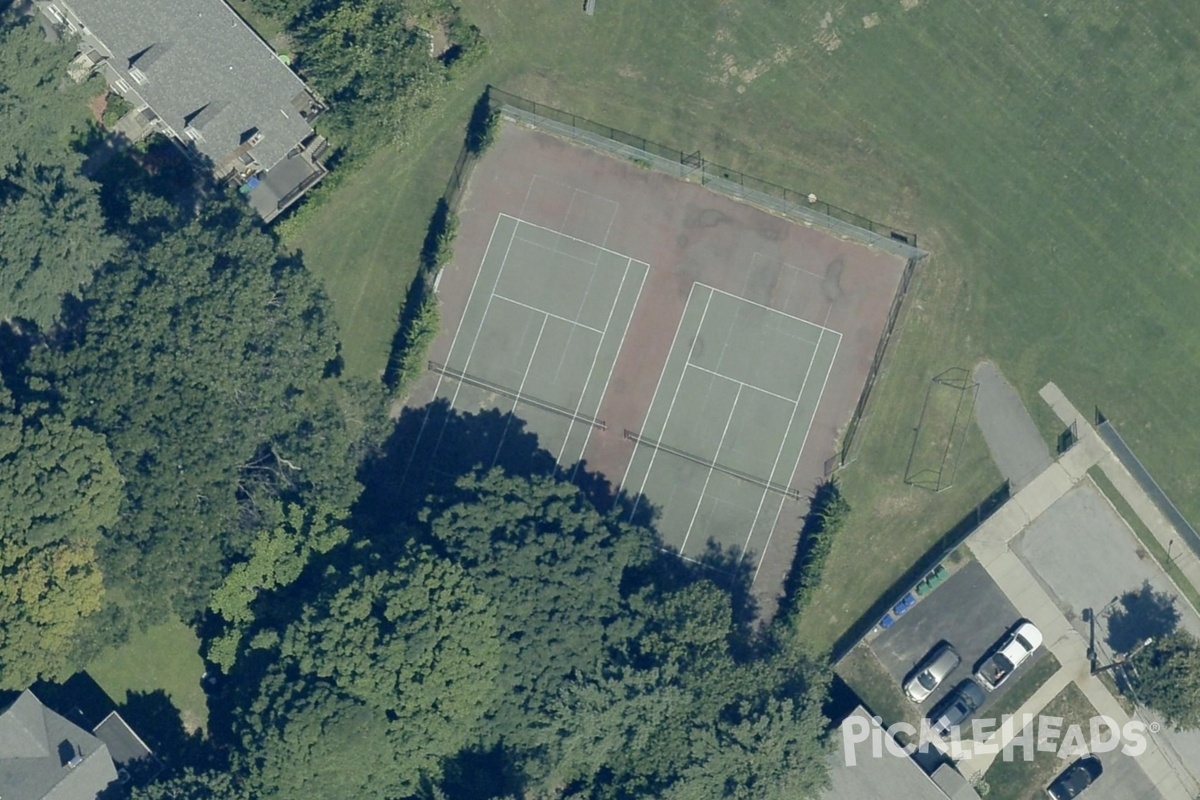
column 520, row 397
column 772, row 486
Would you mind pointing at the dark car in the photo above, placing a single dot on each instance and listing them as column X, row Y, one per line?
column 1075, row 778
column 957, row 707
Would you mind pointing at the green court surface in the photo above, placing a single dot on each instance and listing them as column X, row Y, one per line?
column 728, row 422
column 541, row 332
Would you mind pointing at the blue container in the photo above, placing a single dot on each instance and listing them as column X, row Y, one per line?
column 887, row 621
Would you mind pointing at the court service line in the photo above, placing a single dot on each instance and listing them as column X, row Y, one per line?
column 547, row 313
column 572, row 238
column 803, row 444
column 663, row 431
column 520, row 389
column 555, row 251
column 467, row 305
column 487, row 307
column 612, row 366
column 775, row 310
column 595, row 357
column 661, row 374
column 716, row 458
column 743, row 384
column 784, row 264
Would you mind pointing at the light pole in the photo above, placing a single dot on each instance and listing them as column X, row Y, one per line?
column 1091, row 620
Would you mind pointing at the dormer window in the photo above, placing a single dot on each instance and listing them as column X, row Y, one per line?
column 193, row 134
column 138, row 75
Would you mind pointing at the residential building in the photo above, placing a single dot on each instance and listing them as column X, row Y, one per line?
column 44, row 756
column 194, row 71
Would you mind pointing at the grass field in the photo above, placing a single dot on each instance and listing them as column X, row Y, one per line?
column 162, row 657
column 1044, row 152
column 1026, row 780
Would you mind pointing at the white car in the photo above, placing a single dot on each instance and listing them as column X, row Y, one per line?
column 1012, row 651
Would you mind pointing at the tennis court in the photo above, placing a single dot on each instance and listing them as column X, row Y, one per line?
column 694, row 356
column 541, row 331
column 728, row 421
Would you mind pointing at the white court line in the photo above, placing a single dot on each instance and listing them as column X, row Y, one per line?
column 595, row 357
column 716, row 457
column 782, row 443
column 555, row 249
column 663, row 431
column 775, row 310
column 484, row 318
column 573, row 238
column 803, row 443
column 783, row 264
column 743, row 384
column 612, row 366
column 661, row 374
column 517, row 400
column 547, row 313
column 470, row 296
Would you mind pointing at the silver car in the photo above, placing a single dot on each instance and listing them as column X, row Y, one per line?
column 930, row 673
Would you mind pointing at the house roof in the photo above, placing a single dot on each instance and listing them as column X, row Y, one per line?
column 887, row 776
column 43, row 756
column 123, row 744
column 278, row 183
column 204, row 68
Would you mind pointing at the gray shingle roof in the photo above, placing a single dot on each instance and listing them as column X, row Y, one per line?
column 202, row 64
column 37, row 747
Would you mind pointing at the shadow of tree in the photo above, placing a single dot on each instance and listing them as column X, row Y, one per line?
column 160, row 725
column 1142, row 614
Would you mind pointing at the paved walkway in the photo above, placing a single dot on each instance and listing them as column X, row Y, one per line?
column 990, row 545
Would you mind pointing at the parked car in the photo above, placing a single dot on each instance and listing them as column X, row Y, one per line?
column 1075, row 778
column 1009, row 653
column 956, row 708
column 930, row 673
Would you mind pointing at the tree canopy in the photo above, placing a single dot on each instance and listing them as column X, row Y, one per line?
column 1168, row 678
column 54, row 235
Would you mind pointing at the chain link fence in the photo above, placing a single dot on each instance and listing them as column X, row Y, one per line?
column 801, row 206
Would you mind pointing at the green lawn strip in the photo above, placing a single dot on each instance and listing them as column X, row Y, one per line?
column 1144, row 535
column 1025, row 780
column 1025, row 686
column 365, row 240
column 878, row 690
column 163, row 657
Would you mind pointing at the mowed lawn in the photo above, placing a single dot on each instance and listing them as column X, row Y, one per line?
column 163, row 657
column 1045, row 152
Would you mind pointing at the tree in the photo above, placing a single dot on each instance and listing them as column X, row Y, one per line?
column 1168, row 678
column 205, row 359
column 277, row 557
column 553, row 569
column 59, row 488
column 384, row 674
column 54, row 235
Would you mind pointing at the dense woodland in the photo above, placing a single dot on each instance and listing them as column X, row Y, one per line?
column 177, row 440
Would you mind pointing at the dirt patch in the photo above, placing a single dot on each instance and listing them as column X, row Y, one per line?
column 909, row 5
column 870, row 21
column 630, row 73
column 96, row 106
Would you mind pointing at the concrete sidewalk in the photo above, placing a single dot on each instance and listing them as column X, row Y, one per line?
column 991, row 546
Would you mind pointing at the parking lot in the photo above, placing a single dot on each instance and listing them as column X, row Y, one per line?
column 971, row 613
